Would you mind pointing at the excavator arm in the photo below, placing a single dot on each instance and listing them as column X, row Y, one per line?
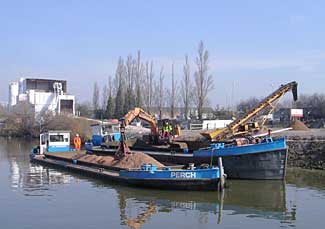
column 141, row 114
column 232, row 128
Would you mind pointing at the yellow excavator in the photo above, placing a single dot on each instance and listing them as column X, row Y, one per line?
column 242, row 126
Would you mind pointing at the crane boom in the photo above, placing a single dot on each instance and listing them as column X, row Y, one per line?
column 233, row 127
column 137, row 112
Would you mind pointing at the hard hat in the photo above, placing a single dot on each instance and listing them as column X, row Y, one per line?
column 77, row 135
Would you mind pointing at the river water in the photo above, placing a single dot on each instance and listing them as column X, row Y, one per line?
column 34, row 196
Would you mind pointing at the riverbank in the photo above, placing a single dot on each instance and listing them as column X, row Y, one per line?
column 17, row 127
column 307, row 150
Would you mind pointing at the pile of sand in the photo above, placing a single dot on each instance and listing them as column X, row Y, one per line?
column 299, row 125
column 103, row 160
column 134, row 160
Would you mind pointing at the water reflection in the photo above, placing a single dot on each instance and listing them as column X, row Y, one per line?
column 31, row 179
column 303, row 178
column 251, row 199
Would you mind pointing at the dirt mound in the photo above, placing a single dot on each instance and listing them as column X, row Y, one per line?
column 103, row 160
column 134, row 160
column 299, row 125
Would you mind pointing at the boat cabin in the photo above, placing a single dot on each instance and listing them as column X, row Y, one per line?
column 106, row 131
column 55, row 141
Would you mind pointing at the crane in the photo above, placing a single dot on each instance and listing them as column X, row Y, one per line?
column 235, row 127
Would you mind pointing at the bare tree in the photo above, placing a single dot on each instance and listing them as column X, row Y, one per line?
column 96, row 97
column 203, row 80
column 186, row 87
column 22, row 118
column 314, row 106
column 149, row 75
column 160, row 90
column 84, row 109
column 173, row 94
column 138, row 80
column 109, row 112
column 3, row 111
column 110, row 87
column 130, row 68
column 119, row 87
column 246, row 105
column 104, row 97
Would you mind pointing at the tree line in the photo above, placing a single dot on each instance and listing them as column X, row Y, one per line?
column 139, row 83
column 312, row 104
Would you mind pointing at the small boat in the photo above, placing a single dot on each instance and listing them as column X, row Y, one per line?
column 203, row 177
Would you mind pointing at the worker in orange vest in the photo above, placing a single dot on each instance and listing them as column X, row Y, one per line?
column 77, row 142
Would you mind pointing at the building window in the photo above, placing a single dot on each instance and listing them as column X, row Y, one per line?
column 66, row 106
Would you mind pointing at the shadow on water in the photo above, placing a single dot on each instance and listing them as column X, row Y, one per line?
column 255, row 199
column 303, row 177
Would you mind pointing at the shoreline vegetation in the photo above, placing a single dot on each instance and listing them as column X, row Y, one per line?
column 22, row 123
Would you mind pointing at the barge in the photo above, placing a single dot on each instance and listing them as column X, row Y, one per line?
column 147, row 176
column 261, row 161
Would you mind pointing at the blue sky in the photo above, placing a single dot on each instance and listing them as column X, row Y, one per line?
column 253, row 45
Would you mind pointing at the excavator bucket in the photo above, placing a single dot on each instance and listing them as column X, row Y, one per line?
column 295, row 90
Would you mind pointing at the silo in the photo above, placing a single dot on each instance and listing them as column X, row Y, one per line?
column 13, row 93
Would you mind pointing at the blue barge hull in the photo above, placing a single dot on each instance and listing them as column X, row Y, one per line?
column 197, row 182
column 262, row 161
column 265, row 160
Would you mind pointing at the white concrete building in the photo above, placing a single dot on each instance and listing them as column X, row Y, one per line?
column 43, row 94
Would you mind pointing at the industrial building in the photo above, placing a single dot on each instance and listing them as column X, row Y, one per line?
column 45, row 95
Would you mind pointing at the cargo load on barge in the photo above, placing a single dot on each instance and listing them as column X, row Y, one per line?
column 145, row 175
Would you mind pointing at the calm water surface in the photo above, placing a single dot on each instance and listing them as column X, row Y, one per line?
column 33, row 196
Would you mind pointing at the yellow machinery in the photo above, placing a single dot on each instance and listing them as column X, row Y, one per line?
column 155, row 128
column 242, row 125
